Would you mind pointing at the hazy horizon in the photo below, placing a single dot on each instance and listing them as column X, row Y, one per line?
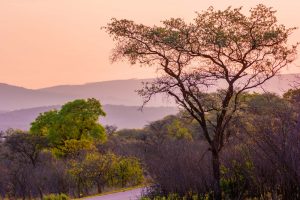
column 101, row 81
column 76, row 84
column 59, row 42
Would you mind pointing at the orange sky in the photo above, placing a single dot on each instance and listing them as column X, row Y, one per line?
column 50, row 42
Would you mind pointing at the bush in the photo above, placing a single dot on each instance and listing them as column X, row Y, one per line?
column 180, row 167
column 56, row 197
column 177, row 197
column 128, row 171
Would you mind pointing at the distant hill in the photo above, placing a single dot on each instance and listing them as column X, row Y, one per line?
column 13, row 97
column 19, row 106
column 118, row 92
column 120, row 116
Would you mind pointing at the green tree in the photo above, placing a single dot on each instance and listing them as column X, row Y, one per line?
column 72, row 128
column 178, row 131
column 100, row 168
column 292, row 95
column 128, row 171
column 228, row 47
column 104, row 170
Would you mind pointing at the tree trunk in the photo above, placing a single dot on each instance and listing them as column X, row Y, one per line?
column 217, row 177
column 78, row 190
column 274, row 194
column 99, row 187
column 41, row 193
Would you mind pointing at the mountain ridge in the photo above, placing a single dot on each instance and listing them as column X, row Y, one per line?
column 19, row 106
column 116, row 92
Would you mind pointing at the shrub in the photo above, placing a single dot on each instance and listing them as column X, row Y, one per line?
column 56, row 197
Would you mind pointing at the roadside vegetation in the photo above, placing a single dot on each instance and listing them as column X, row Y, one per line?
column 61, row 154
column 226, row 144
column 261, row 161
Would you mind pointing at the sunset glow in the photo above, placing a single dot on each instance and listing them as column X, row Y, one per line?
column 51, row 42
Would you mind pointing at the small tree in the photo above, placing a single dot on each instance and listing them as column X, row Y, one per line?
column 100, row 168
column 220, row 47
column 21, row 153
column 27, row 147
column 128, row 171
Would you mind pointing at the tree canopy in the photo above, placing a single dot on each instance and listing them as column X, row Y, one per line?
column 73, row 126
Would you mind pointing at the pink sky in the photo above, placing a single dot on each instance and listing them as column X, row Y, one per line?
column 51, row 42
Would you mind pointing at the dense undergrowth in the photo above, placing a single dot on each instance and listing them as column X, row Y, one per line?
column 260, row 162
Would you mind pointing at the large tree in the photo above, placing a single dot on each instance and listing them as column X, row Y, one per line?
column 220, row 48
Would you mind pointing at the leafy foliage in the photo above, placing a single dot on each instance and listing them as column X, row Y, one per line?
column 128, row 171
column 72, row 128
column 56, row 197
column 105, row 170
